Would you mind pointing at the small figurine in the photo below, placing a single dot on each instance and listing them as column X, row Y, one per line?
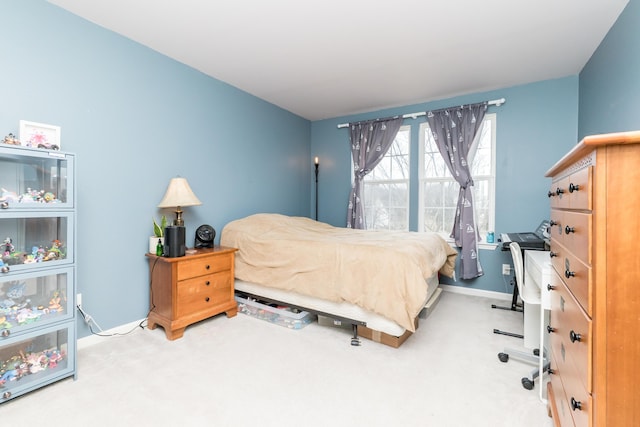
column 54, row 303
column 8, row 196
column 8, row 246
column 11, row 139
column 54, row 252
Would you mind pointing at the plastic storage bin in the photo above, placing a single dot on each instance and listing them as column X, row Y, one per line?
column 282, row 316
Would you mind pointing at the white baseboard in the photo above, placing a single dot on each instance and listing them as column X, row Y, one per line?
column 92, row 339
column 123, row 329
column 476, row 292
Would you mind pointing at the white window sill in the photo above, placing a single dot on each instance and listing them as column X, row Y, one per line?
column 481, row 245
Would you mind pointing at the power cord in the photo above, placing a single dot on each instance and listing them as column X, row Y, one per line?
column 90, row 321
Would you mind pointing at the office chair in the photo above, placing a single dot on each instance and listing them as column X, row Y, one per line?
column 531, row 301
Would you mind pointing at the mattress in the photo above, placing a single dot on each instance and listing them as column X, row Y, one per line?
column 382, row 272
column 334, row 309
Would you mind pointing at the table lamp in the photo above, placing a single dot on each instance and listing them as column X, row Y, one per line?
column 178, row 194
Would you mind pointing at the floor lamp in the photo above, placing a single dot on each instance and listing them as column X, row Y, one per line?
column 316, row 164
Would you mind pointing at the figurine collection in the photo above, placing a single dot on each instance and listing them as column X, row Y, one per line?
column 11, row 256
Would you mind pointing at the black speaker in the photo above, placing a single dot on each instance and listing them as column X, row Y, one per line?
column 174, row 238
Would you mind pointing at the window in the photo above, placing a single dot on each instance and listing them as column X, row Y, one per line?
column 386, row 187
column 438, row 191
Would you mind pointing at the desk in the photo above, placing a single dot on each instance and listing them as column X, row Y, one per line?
column 537, row 272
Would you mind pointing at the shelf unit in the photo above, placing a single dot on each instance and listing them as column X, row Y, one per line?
column 37, row 269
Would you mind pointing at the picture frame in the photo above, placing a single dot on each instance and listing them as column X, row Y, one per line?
column 39, row 135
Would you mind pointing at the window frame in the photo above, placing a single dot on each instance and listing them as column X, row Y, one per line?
column 368, row 179
column 491, row 119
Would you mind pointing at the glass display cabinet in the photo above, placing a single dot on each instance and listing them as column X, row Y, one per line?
column 37, row 269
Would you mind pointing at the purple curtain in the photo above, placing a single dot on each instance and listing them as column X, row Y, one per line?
column 370, row 141
column 453, row 130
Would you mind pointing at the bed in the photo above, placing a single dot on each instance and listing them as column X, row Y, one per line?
column 380, row 280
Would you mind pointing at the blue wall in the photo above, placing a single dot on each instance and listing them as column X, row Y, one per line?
column 535, row 127
column 136, row 119
column 610, row 82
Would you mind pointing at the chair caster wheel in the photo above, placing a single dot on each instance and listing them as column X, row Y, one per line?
column 504, row 357
column 527, row 383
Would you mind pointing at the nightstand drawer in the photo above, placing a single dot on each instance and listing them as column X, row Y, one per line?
column 206, row 265
column 203, row 293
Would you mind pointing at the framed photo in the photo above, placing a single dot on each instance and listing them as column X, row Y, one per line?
column 39, row 135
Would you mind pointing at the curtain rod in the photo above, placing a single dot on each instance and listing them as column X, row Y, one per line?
column 496, row 102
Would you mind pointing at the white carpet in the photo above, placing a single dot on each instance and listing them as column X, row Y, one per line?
column 247, row 372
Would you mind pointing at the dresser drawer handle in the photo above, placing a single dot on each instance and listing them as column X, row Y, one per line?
column 207, row 299
column 576, row 405
column 551, row 371
column 6, row 394
column 552, row 223
column 568, row 230
column 559, row 191
column 551, row 194
column 550, row 329
column 5, row 269
column 553, row 254
column 5, row 333
column 573, row 187
column 4, row 205
column 551, row 288
column 568, row 274
column 208, row 267
column 574, row 337
column 207, row 283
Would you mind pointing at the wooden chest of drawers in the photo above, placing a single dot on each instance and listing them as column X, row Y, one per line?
column 188, row 289
column 595, row 297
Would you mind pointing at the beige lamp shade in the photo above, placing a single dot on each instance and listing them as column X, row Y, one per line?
column 179, row 194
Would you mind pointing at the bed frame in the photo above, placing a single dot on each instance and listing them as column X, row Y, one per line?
column 363, row 323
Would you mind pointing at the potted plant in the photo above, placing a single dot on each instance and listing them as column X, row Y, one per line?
column 158, row 234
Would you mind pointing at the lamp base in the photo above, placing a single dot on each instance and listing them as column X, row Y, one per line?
column 174, row 241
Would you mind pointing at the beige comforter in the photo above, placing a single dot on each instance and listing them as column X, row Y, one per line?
column 381, row 271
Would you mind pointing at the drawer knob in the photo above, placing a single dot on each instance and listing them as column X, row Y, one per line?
column 550, row 288
column 6, row 394
column 559, row 191
column 5, row 333
column 4, row 205
column 551, row 194
column 550, row 329
column 207, row 299
column 573, row 188
column 551, row 371
column 5, row 269
column 208, row 266
column 208, row 283
column 568, row 274
column 552, row 223
column 575, row 404
column 574, row 337
column 568, row 230
column 552, row 254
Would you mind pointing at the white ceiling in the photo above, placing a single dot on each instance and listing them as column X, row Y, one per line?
column 329, row 58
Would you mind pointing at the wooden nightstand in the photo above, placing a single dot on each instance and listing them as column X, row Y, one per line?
column 188, row 289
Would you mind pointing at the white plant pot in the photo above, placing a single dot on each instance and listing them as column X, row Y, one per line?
column 153, row 243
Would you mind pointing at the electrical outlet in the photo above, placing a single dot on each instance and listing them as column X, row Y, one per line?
column 506, row 269
column 79, row 300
